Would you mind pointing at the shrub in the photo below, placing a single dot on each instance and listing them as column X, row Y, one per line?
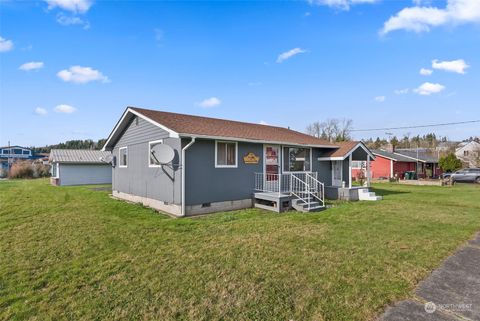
column 450, row 163
column 21, row 169
column 41, row 170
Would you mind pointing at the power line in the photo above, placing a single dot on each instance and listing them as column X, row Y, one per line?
column 419, row 126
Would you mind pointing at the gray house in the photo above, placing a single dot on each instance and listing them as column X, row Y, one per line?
column 211, row 165
column 80, row 167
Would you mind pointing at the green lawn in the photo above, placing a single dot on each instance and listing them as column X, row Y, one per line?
column 74, row 253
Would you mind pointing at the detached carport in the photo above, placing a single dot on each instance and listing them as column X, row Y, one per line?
column 80, row 167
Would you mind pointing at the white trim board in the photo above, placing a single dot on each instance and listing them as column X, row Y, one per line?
column 149, row 152
column 120, row 158
column 360, row 144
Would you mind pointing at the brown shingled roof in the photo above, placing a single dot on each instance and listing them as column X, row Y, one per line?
column 345, row 148
column 214, row 127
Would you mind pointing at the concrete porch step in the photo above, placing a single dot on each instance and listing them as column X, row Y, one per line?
column 301, row 206
column 365, row 195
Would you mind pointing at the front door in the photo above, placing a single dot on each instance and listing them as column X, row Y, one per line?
column 337, row 173
column 272, row 162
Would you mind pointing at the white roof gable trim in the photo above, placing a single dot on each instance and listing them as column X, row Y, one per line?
column 171, row 132
column 354, row 148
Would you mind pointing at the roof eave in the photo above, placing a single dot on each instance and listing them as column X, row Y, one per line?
column 259, row 141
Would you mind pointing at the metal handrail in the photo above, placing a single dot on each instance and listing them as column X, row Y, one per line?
column 303, row 185
column 319, row 188
column 295, row 181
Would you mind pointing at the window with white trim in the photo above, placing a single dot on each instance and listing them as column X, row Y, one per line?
column 226, row 154
column 297, row 159
column 359, row 164
column 54, row 170
column 152, row 160
column 123, row 157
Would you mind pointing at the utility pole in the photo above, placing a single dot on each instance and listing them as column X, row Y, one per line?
column 9, row 160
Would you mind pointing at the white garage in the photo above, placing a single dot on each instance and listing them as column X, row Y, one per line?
column 80, row 167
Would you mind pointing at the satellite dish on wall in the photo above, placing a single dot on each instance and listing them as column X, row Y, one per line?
column 107, row 159
column 162, row 154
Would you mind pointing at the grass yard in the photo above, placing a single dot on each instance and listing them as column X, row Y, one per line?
column 74, row 253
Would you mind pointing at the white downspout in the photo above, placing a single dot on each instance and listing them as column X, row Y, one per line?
column 182, row 166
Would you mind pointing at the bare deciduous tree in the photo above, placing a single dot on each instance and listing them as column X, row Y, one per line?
column 331, row 129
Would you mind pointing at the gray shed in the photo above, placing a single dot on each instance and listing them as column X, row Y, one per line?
column 80, row 167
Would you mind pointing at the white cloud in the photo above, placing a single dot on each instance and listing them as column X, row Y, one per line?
column 339, row 4
column 289, row 54
column 421, row 19
column 40, row 111
column 66, row 109
column 81, row 75
column 426, row 72
column 33, row 65
column 210, row 102
column 75, row 6
column 5, row 45
column 380, row 99
column 401, row 91
column 262, row 122
column 428, row 88
column 457, row 66
column 71, row 21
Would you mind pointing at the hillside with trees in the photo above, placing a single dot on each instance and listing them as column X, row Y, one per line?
column 72, row 144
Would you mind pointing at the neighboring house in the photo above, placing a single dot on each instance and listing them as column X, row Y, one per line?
column 11, row 154
column 80, row 167
column 469, row 153
column 395, row 163
column 218, row 164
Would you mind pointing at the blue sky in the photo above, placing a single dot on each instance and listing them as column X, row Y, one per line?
column 85, row 61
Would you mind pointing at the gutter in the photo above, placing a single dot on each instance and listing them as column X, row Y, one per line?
column 182, row 166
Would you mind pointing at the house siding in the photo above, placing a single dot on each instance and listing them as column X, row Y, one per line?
column 380, row 167
column 399, row 168
column 84, row 174
column 158, row 183
column 346, row 172
column 206, row 184
column 323, row 168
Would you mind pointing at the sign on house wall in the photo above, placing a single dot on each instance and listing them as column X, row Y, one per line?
column 251, row 158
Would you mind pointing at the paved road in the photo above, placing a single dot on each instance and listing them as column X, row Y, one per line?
column 454, row 289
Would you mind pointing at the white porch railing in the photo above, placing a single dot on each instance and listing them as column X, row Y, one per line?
column 303, row 185
column 280, row 183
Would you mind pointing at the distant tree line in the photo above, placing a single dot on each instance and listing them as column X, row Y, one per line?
column 430, row 140
column 72, row 144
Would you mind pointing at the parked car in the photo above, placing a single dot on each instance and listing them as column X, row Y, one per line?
column 446, row 175
column 468, row 175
